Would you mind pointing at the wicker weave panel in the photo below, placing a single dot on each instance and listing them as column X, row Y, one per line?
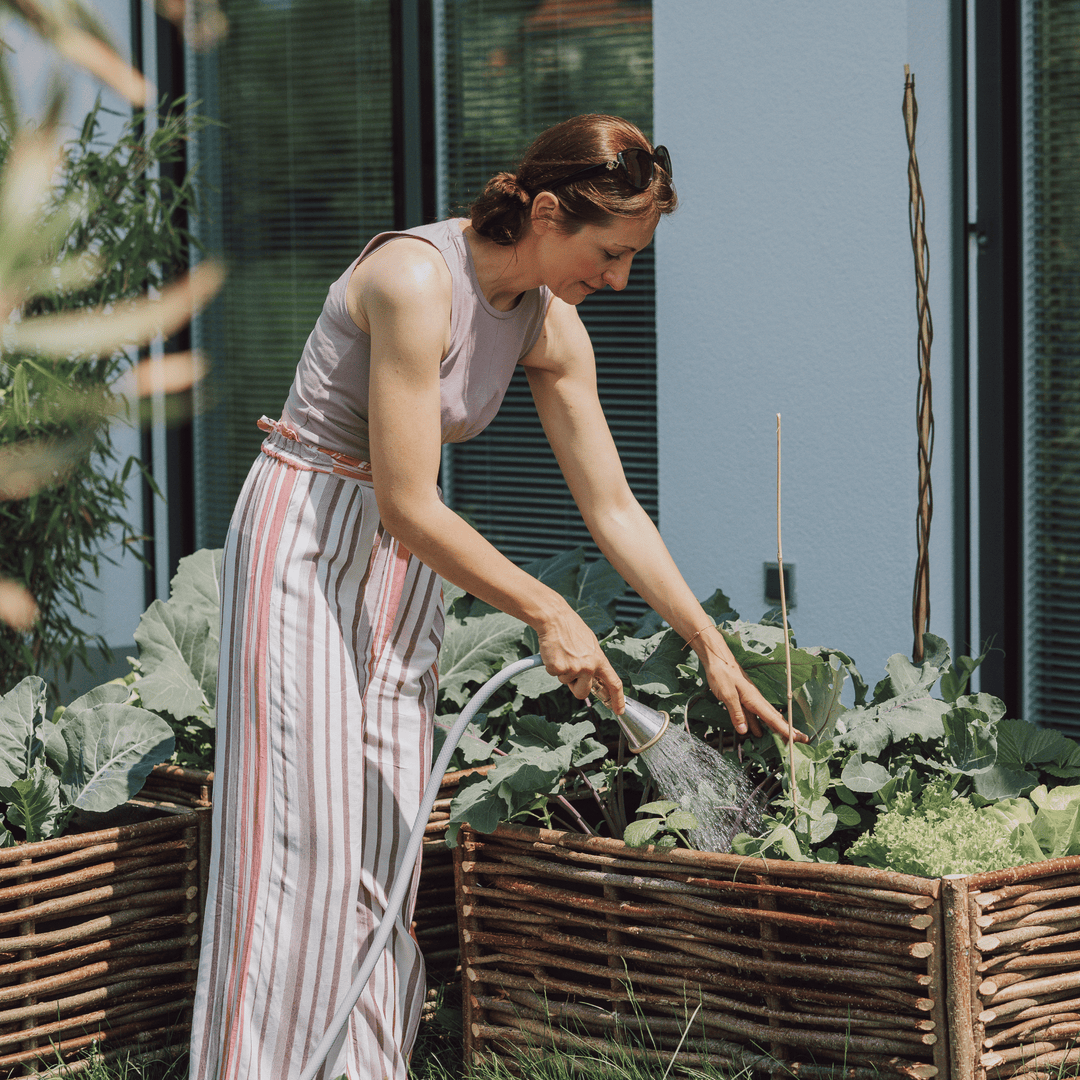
column 99, row 938
column 836, row 969
column 1024, row 970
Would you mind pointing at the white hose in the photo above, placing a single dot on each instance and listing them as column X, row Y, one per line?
column 408, row 861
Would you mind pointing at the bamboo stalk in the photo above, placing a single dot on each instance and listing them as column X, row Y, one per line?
column 1005, row 938
column 1017, row 1053
column 166, row 1050
column 1044, row 960
column 759, row 1033
column 93, row 997
column 94, row 926
column 136, row 901
column 105, row 1018
column 83, row 1041
column 1039, row 1023
column 119, row 870
column 726, row 958
column 530, row 958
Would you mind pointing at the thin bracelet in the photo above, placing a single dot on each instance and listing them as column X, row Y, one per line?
column 689, row 640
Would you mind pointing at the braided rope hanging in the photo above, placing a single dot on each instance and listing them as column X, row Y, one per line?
column 920, row 605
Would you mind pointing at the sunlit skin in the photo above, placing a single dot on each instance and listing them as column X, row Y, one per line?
column 401, row 296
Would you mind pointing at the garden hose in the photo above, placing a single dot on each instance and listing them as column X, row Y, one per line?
column 412, row 851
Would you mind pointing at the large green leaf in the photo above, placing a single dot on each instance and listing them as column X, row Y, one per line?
column 22, row 711
column 864, row 776
column 197, row 581
column 905, row 678
column 871, row 728
column 759, row 651
column 970, row 742
column 178, row 652
column 476, row 648
column 819, row 697
column 599, row 584
column 1003, row 781
column 1021, row 744
column 34, row 803
column 1057, row 822
column 111, row 750
column 535, row 682
column 658, row 673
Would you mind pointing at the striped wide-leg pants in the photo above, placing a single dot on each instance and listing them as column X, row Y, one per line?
column 326, row 699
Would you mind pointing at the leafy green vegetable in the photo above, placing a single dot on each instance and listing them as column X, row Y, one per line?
column 936, row 834
column 94, row 757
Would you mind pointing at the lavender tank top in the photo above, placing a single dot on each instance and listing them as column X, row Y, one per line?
column 328, row 403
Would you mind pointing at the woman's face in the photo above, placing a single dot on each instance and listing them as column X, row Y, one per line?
column 573, row 266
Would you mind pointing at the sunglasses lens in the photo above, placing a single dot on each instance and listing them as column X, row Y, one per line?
column 638, row 164
column 663, row 159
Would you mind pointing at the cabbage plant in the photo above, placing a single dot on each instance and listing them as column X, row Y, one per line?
column 94, row 756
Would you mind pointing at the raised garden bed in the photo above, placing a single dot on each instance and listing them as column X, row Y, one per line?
column 99, row 936
column 571, row 942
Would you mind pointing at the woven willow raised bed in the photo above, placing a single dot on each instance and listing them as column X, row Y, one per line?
column 99, row 937
column 571, row 943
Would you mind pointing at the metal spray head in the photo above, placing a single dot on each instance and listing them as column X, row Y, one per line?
column 643, row 727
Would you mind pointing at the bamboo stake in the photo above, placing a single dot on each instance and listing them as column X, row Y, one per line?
column 787, row 639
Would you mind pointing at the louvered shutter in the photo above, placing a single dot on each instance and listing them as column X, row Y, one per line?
column 510, row 69
column 1052, row 317
column 298, row 178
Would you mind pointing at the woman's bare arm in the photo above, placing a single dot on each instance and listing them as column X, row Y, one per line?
column 562, row 374
column 402, row 293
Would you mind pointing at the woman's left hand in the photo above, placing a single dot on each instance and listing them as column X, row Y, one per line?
column 745, row 703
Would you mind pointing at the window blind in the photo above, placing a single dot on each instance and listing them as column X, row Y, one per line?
column 510, row 69
column 1052, row 361
column 297, row 178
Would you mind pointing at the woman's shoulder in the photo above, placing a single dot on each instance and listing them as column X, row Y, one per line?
column 401, row 274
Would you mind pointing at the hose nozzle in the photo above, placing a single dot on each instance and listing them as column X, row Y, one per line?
column 643, row 727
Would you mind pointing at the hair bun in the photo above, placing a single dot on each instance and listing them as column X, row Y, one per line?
column 507, row 185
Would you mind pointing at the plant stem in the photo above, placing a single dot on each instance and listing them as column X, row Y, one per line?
column 600, row 803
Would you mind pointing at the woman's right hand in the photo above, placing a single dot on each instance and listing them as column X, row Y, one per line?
column 572, row 654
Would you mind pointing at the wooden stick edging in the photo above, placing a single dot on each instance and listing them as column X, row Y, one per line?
column 777, row 869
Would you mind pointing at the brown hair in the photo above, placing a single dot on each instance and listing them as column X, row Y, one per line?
column 502, row 211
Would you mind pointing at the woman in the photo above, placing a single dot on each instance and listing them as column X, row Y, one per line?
column 331, row 595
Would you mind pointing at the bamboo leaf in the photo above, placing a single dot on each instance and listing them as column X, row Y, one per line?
column 137, row 322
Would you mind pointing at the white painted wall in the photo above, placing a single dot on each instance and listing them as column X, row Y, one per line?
column 786, row 284
column 116, row 606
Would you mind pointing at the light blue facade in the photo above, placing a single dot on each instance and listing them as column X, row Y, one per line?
column 785, row 284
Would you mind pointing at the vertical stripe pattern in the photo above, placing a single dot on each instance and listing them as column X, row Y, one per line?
column 326, row 700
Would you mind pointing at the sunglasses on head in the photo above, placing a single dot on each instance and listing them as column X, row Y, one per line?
column 636, row 166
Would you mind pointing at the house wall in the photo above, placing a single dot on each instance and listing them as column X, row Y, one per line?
column 116, row 606
column 786, row 285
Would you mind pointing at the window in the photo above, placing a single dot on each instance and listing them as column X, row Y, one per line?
column 301, row 173
column 1052, row 364
column 511, row 69
column 298, row 177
